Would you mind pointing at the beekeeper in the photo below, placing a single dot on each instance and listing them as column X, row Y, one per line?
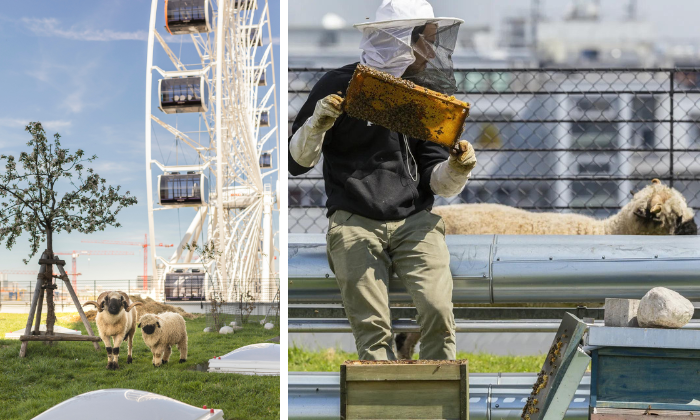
column 381, row 184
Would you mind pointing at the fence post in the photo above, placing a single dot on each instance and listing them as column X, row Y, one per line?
column 670, row 95
column 94, row 289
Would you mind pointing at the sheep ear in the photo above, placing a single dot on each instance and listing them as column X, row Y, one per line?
column 139, row 325
column 125, row 297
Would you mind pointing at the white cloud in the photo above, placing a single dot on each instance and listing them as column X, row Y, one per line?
column 49, row 27
column 72, row 81
column 74, row 101
column 21, row 123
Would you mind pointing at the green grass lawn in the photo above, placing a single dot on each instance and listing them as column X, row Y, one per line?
column 301, row 360
column 52, row 374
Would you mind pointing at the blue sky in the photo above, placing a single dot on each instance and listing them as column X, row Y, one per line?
column 79, row 67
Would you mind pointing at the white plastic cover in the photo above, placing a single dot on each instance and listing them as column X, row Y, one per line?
column 254, row 359
column 120, row 404
column 14, row 335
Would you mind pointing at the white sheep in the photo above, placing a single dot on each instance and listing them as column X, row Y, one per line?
column 654, row 210
column 118, row 323
column 162, row 331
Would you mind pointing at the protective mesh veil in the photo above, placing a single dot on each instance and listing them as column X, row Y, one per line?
column 421, row 52
column 433, row 47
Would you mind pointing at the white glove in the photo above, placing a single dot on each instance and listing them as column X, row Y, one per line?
column 449, row 177
column 305, row 146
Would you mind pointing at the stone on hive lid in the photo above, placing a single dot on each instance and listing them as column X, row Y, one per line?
column 621, row 312
column 664, row 308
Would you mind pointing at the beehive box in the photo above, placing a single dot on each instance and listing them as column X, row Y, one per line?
column 405, row 107
column 405, row 389
column 645, row 378
column 631, row 414
column 645, row 368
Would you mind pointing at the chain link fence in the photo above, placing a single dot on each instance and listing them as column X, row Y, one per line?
column 568, row 140
column 20, row 292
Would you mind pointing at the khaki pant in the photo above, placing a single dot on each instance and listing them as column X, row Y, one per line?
column 363, row 253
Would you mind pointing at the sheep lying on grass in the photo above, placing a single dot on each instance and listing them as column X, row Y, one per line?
column 654, row 210
column 119, row 323
column 162, row 331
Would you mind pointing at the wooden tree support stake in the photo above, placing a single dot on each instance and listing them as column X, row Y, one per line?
column 32, row 309
column 45, row 281
column 59, row 337
column 88, row 327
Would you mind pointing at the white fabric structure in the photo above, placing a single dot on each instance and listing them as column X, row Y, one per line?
column 14, row 335
column 386, row 42
column 256, row 359
column 118, row 404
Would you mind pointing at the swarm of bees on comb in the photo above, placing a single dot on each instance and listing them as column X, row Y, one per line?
column 402, row 106
column 542, row 378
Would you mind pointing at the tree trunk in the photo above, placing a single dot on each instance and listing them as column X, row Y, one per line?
column 50, row 307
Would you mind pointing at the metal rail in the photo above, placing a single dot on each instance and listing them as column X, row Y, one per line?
column 527, row 269
column 316, row 396
column 488, row 313
column 461, row 326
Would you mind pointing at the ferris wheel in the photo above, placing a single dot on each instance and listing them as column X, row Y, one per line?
column 208, row 95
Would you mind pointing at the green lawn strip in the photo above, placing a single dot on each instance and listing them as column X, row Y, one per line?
column 52, row 374
column 302, row 360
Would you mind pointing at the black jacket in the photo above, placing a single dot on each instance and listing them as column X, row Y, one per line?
column 365, row 166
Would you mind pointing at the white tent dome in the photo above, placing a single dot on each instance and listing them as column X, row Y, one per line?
column 118, row 404
column 255, row 359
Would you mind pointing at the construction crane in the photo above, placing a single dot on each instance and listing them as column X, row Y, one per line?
column 143, row 245
column 76, row 254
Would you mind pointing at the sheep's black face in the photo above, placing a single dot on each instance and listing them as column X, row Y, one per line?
column 115, row 305
column 687, row 228
column 149, row 329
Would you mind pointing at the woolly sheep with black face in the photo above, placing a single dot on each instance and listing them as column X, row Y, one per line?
column 116, row 319
column 162, row 331
column 656, row 209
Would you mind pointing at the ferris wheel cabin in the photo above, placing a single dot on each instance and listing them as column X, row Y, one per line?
column 255, row 38
column 264, row 118
column 183, row 190
column 186, row 94
column 184, row 17
column 265, row 160
column 245, row 4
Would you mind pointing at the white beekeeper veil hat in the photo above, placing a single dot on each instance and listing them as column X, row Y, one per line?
column 407, row 40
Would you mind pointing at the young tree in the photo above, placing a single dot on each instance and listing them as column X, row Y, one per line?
column 53, row 192
column 207, row 254
column 30, row 202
